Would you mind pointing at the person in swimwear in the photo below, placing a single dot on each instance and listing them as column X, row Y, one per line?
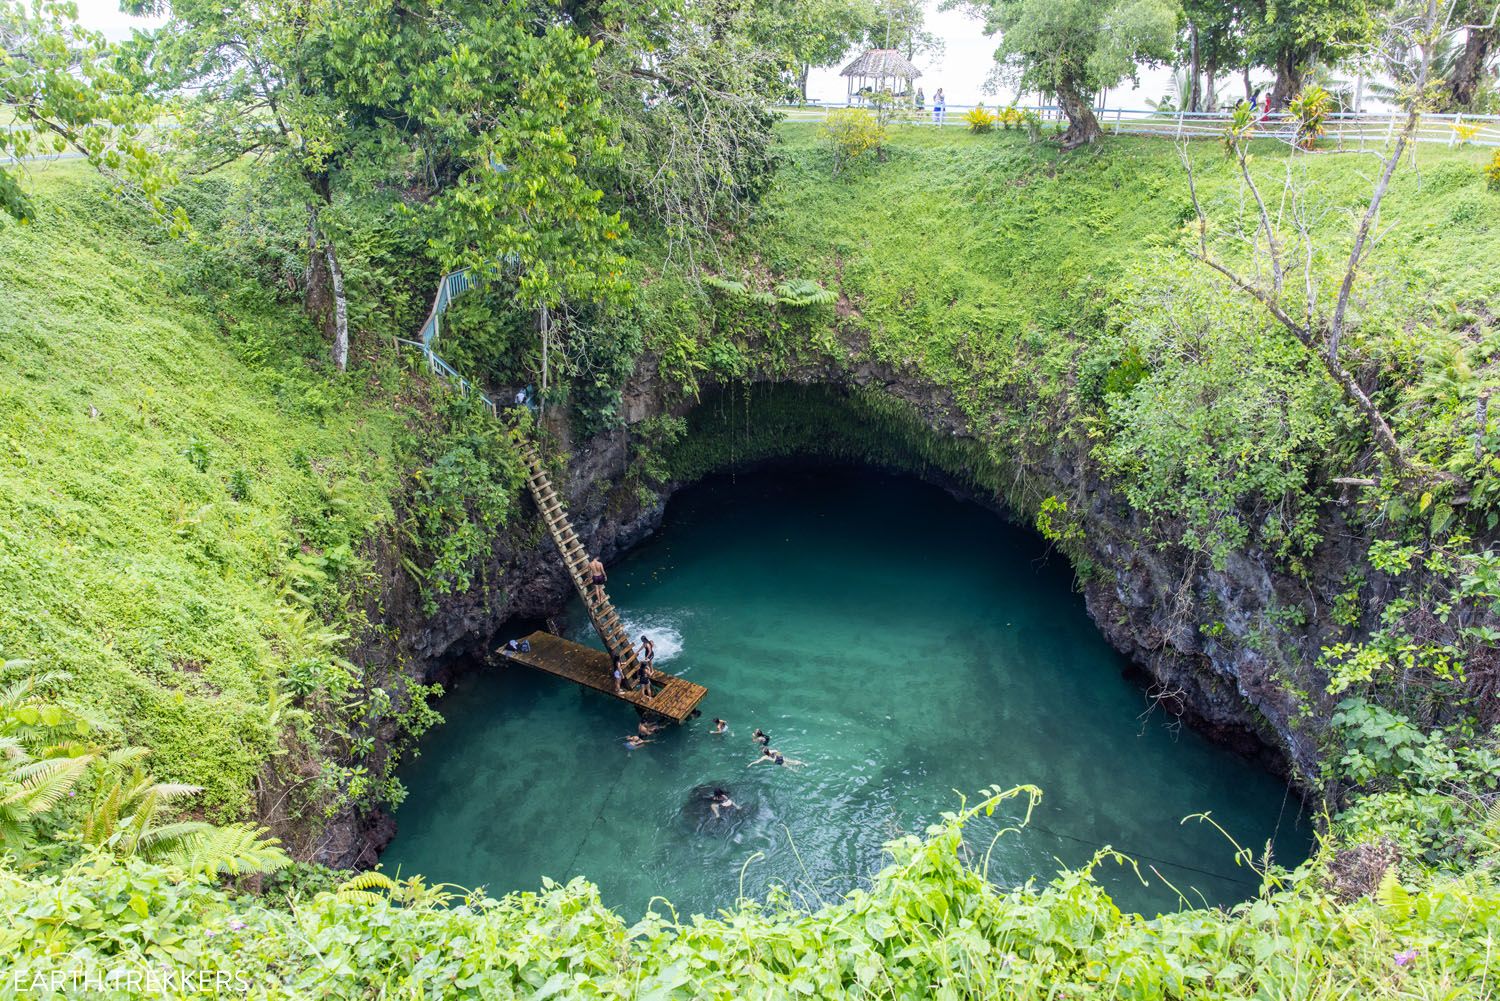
column 644, row 676
column 596, row 570
column 646, row 729
column 632, row 742
column 721, row 726
column 776, row 758
column 720, row 801
column 760, row 737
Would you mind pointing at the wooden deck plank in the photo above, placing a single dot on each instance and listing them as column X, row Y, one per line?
column 676, row 698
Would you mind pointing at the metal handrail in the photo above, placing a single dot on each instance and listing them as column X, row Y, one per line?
column 449, row 286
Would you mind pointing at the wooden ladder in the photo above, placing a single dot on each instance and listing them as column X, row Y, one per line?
column 602, row 613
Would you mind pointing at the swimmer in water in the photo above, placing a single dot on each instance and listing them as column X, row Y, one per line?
column 646, row 729
column 776, row 758
column 632, row 742
column 760, row 737
column 720, row 801
column 721, row 726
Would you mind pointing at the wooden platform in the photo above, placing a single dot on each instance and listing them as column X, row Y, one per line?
column 675, row 698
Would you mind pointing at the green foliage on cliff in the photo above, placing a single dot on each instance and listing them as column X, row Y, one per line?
column 188, row 494
column 1052, row 296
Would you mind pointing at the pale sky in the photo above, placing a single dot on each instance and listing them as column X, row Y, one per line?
column 967, row 59
column 960, row 71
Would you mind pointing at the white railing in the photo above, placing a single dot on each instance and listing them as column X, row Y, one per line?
column 449, row 286
column 1344, row 130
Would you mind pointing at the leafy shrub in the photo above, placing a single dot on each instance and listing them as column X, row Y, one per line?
column 1492, row 171
column 981, row 119
column 854, row 135
column 1309, row 110
column 1464, row 133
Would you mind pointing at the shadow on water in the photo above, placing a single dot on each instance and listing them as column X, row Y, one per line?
column 901, row 643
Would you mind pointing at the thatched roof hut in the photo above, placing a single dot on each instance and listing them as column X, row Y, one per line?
column 880, row 70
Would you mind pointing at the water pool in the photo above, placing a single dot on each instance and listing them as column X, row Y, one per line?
column 906, row 646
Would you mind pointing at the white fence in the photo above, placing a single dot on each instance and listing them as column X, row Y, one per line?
column 1344, row 130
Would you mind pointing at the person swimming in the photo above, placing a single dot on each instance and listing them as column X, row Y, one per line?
column 632, row 742
column 720, row 801
column 776, row 758
column 646, row 729
column 721, row 726
column 761, row 737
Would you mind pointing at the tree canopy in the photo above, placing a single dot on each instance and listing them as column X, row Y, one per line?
column 1076, row 48
column 68, row 90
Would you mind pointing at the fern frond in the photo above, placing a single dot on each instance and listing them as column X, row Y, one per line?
column 46, row 783
column 729, row 287
column 802, row 292
column 164, row 837
column 234, row 849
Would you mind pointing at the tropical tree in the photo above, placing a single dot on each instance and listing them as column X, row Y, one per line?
column 1211, row 41
column 1475, row 65
column 482, row 118
column 901, row 25
column 1290, row 36
column 1075, row 48
column 65, row 88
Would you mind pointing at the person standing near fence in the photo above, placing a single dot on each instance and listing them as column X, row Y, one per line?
column 939, row 107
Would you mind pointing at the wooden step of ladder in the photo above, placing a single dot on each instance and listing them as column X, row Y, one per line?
column 602, row 613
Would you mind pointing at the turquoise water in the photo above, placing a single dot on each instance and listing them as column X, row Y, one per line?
column 901, row 643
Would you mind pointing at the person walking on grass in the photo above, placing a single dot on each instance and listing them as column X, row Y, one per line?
column 939, row 107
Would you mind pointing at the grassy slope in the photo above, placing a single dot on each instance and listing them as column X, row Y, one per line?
column 965, row 253
column 157, row 585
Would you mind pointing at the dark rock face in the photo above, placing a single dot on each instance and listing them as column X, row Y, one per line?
column 1216, row 647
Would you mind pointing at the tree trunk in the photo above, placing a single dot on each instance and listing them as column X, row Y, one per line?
column 1083, row 127
column 340, row 308
column 1249, row 91
column 1469, row 72
column 1289, row 69
column 1210, row 73
column 802, row 81
column 1195, row 96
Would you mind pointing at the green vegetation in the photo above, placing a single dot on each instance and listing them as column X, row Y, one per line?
column 187, row 500
column 201, row 506
column 928, row 926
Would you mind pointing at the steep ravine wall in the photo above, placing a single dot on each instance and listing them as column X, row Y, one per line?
column 1227, row 650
